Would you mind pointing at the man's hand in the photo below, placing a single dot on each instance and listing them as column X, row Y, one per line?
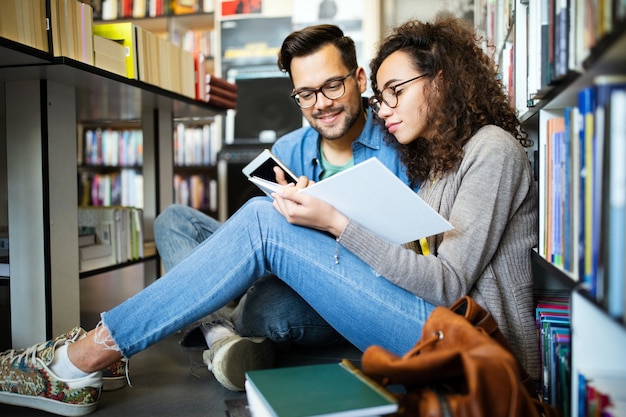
column 303, row 181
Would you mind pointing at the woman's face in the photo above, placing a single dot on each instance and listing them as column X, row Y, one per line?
column 407, row 119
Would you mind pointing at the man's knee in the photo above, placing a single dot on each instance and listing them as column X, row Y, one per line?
column 165, row 219
column 272, row 309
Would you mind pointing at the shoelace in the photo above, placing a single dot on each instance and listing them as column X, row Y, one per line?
column 31, row 351
column 127, row 372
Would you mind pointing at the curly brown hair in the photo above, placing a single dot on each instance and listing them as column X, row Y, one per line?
column 470, row 92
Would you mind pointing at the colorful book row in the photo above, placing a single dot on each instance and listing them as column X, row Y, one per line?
column 115, row 189
column 195, row 145
column 197, row 191
column 583, row 190
column 112, row 147
column 553, row 325
column 137, row 9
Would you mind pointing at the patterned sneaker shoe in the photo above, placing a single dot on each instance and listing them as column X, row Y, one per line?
column 26, row 380
column 114, row 377
column 231, row 357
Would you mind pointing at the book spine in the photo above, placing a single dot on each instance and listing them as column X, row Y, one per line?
column 220, row 82
column 221, row 101
column 349, row 366
column 216, row 90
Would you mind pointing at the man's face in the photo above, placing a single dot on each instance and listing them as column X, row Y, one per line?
column 332, row 118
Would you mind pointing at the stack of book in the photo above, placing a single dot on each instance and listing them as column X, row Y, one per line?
column 220, row 93
column 152, row 59
column 553, row 325
column 110, row 236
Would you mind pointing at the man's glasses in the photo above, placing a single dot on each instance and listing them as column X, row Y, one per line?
column 389, row 95
column 332, row 90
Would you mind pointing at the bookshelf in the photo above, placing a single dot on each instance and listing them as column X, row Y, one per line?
column 196, row 140
column 544, row 75
column 43, row 99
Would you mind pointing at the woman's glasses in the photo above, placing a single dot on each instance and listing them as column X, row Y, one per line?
column 389, row 95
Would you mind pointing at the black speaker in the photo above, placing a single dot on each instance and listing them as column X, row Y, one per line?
column 265, row 111
column 239, row 188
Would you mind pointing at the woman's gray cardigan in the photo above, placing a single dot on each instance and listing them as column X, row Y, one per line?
column 491, row 202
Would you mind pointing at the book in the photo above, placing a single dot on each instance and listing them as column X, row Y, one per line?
column 97, row 250
column 331, row 389
column 109, row 55
column 86, row 239
column 107, row 222
column 221, row 102
column 220, row 82
column 614, row 204
column 124, row 33
column 586, row 104
column 220, row 91
column 370, row 194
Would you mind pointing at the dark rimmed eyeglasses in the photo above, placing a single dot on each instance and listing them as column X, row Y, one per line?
column 332, row 90
column 389, row 96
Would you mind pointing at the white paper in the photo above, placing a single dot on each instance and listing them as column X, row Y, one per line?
column 370, row 194
column 268, row 187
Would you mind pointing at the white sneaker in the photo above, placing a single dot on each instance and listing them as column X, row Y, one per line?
column 231, row 357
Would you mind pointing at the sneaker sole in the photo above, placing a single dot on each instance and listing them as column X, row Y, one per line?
column 47, row 404
column 233, row 360
column 113, row 383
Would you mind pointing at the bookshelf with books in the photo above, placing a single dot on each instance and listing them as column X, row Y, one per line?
column 568, row 82
column 189, row 25
column 110, row 163
column 43, row 98
column 196, row 145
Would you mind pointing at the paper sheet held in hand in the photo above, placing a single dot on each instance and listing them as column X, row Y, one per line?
column 370, row 194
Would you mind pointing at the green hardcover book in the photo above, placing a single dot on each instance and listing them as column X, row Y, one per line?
column 336, row 389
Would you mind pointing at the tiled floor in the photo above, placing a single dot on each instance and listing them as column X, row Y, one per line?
column 166, row 379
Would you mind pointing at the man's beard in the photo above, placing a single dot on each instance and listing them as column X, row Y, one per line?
column 337, row 131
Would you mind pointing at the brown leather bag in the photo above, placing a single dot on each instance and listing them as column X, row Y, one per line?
column 461, row 367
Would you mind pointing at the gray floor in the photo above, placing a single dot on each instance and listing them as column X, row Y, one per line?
column 166, row 379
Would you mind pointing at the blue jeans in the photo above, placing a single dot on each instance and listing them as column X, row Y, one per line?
column 269, row 308
column 362, row 306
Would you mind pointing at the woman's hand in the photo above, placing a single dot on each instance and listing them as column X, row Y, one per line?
column 305, row 210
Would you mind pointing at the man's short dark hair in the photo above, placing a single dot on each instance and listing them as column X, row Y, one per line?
column 310, row 40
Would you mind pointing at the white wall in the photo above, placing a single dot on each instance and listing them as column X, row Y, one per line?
column 398, row 11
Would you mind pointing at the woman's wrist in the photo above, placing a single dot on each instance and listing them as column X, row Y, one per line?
column 338, row 224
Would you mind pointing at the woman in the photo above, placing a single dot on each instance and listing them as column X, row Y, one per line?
column 439, row 96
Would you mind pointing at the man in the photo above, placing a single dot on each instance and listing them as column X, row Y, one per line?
column 328, row 84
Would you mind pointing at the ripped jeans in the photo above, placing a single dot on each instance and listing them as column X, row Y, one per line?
column 362, row 306
column 269, row 308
